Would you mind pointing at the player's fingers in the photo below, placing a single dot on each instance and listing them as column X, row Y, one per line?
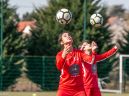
column 66, row 47
column 94, row 43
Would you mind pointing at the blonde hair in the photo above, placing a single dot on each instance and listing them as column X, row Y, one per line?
column 84, row 41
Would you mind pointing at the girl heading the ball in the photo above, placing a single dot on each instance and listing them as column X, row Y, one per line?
column 69, row 63
column 90, row 76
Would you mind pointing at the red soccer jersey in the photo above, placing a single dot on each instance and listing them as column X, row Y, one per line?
column 71, row 69
column 90, row 69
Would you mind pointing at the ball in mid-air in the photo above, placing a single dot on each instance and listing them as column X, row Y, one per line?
column 96, row 20
column 63, row 16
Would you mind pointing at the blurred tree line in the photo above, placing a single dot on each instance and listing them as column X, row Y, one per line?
column 43, row 41
column 11, row 44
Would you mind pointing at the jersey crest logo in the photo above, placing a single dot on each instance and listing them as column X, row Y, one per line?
column 74, row 70
column 94, row 68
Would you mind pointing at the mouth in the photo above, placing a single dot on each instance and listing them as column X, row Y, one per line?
column 69, row 39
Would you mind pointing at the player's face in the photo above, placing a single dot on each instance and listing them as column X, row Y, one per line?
column 66, row 38
column 86, row 46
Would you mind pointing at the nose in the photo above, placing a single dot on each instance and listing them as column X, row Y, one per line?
column 69, row 37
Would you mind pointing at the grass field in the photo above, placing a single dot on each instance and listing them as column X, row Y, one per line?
column 48, row 94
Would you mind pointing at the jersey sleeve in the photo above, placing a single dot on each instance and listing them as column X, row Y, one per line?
column 106, row 54
column 59, row 61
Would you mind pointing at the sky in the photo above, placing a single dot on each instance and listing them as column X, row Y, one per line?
column 125, row 3
column 28, row 5
column 24, row 6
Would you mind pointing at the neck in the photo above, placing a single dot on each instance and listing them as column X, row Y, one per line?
column 71, row 48
column 88, row 52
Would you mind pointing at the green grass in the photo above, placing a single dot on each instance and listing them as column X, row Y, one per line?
column 47, row 94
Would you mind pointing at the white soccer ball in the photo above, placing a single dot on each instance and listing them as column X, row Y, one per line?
column 63, row 16
column 96, row 20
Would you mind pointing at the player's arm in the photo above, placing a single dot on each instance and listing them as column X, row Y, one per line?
column 61, row 56
column 59, row 61
column 106, row 54
column 94, row 47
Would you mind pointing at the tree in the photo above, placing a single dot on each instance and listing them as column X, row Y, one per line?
column 11, row 44
column 119, row 29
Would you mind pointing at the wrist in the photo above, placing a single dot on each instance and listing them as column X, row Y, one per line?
column 93, row 52
column 64, row 55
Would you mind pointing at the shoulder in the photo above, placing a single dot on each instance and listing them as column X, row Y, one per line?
column 78, row 51
column 59, row 53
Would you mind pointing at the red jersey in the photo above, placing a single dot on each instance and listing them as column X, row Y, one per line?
column 71, row 69
column 90, row 69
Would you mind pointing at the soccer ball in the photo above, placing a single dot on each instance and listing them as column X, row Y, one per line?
column 63, row 16
column 96, row 20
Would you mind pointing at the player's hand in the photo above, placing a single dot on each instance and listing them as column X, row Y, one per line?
column 116, row 47
column 82, row 47
column 94, row 46
column 66, row 50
